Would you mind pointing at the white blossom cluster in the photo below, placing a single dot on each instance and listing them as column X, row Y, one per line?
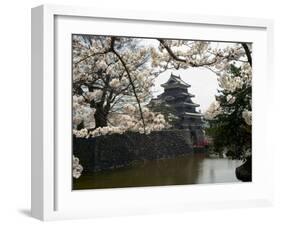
column 82, row 112
column 226, row 56
column 153, row 122
column 82, row 49
column 230, row 99
column 106, row 130
column 128, row 121
column 230, row 83
column 76, row 167
column 82, row 133
column 95, row 95
column 246, row 73
column 247, row 116
column 129, row 109
column 115, row 83
column 213, row 110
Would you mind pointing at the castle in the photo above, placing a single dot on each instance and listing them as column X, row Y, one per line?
column 176, row 96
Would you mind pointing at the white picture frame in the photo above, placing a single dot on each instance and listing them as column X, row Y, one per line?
column 52, row 197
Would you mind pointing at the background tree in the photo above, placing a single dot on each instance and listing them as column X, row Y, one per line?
column 230, row 117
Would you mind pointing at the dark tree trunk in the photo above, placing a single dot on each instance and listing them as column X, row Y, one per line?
column 101, row 117
column 80, row 125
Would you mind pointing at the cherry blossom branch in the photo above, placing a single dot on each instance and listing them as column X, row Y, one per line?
column 130, row 80
column 175, row 57
column 91, row 55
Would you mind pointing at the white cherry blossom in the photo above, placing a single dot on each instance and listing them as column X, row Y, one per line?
column 247, row 116
column 77, row 168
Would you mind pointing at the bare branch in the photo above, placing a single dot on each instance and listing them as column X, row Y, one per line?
column 248, row 53
column 91, row 55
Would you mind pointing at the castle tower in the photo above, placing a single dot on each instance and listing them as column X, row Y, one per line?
column 177, row 96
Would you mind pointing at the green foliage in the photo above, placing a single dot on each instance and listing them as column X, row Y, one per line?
column 229, row 130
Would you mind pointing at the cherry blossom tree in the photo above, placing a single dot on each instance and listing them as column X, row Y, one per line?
column 107, row 73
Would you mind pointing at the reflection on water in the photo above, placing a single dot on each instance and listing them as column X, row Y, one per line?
column 191, row 169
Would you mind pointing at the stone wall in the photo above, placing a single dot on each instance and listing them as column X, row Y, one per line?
column 114, row 151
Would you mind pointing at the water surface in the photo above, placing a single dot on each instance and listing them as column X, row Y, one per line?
column 189, row 169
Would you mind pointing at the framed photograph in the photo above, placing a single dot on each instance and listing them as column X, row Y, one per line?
column 137, row 112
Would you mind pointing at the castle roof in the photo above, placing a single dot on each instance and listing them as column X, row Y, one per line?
column 174, row 82
column 193, row 114
column 187, row 104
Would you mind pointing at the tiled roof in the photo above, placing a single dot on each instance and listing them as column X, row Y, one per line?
column 174, row 79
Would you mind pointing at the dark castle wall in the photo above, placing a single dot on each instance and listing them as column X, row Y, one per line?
column 113, row 151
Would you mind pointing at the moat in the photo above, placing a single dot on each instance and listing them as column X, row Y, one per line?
column 188, row 169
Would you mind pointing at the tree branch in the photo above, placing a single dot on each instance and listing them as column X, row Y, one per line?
column 175, row 57
column 91, row 55
column 130, row 80
column 248, row 53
